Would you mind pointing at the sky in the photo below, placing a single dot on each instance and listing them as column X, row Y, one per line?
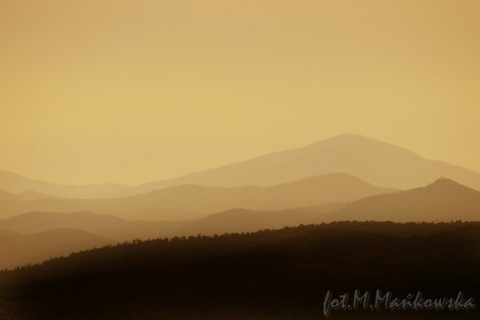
column 96, row 91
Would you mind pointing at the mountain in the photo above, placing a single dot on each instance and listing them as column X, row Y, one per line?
column 100, row 224
column 193, row 201
column 377, row 162
column 19, row 249
column 443, row 200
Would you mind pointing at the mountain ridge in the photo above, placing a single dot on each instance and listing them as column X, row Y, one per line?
column 193, row 201
column 380, row 163
column 443, row 200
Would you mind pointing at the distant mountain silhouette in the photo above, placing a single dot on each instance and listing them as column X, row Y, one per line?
column 443, row 200
column 19, row 249
column 100, row 224
column 377, row 162
column 193, row 202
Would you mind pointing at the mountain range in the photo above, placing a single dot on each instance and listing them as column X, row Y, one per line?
column 34, row 236
column 348, row 177
column 441, row 201
column 193, row 201
column 111, row 227
column 377, row 162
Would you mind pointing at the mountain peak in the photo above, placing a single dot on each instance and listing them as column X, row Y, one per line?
column 443, row 181
column 362, row 144
column 446, row 184
column 346, row 138
column 350, row 136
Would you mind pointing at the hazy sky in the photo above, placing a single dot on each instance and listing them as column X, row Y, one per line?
column 130, row 91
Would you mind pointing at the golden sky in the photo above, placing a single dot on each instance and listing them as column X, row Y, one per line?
column 97, row 91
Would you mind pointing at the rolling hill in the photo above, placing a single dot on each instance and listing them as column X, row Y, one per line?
column 107, row 226
column 442, row 200
column 193, row 202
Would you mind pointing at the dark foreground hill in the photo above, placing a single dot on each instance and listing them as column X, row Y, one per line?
column 282, row 274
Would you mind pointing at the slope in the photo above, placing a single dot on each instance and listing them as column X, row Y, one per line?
column 443, row 200
column 192, row 201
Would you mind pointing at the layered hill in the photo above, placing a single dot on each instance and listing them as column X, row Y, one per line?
column 107, row 226
column 443, row 200
column 193, row 201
